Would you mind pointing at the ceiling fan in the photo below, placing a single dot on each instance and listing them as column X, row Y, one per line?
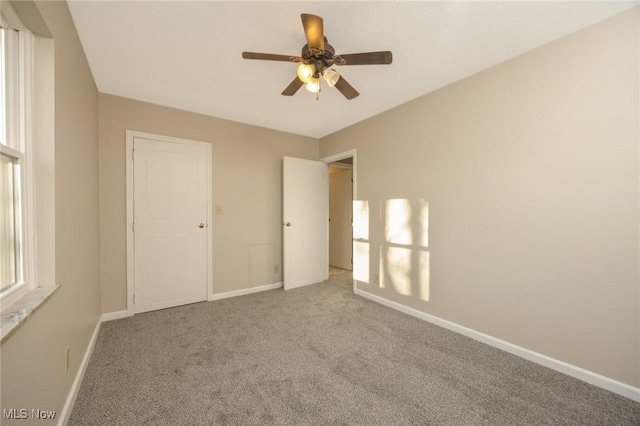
column 317, row 58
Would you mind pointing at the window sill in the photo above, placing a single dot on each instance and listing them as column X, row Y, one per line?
column 18, row 312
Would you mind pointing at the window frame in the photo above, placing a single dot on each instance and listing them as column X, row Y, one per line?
column 19, row 126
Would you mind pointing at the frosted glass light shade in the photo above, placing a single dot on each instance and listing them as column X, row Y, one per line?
column 330, row 76
column 313, row 85
column 305, row 72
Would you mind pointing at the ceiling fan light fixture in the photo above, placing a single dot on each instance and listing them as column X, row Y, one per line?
column 316, row 58
column 313, row 85
column 306, row 72
column 330, row 76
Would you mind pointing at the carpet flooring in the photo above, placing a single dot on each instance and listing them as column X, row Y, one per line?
column 334, row 270
column 320, row 355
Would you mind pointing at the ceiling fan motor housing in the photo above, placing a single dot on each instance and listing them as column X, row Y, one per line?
column 320, row 59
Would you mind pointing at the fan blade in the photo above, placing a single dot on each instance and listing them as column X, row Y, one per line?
column 369, row 58
column 271, row 57
column 293, row 87
column 346, row 89
column 313, row 31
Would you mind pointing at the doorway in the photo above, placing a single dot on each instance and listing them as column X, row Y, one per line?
column 340, row 216
column 342, row 192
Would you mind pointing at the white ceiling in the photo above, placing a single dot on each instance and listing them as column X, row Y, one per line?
column 187, row 55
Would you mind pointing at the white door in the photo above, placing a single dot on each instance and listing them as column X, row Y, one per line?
column 171, row 193
column 305, row 222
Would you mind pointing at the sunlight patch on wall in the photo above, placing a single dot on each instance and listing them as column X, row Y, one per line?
column 423, row 278
column 361, row 220
column 361, row 261
column 397, row 270
column 404, row 253
column 361, row 240
column 398, row 228
column 423, row 217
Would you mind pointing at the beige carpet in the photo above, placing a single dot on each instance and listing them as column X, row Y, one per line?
column 334, row 270
column 319, row 355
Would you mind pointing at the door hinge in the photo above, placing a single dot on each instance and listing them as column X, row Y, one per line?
column 134, row 298
column 133, row 155
column 133, row 227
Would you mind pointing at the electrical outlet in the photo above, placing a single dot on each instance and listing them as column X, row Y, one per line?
column 67, row 361
column 376, row 278
column 276, row 269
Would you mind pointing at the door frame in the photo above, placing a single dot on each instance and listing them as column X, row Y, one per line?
column 131, row 135
column 354, row 185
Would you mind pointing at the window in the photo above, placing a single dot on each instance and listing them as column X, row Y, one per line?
column 10, row 269
column 27, row 170
column 17, row 269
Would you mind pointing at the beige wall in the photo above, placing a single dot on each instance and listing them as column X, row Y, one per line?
column 247, row 182
column 340, row 211
column 33, row 373
column 528, row 175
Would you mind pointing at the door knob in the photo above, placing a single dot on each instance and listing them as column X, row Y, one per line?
column 201, row 225
column 287, row 224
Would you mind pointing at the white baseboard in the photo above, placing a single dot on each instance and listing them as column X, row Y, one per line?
column 244, row 291
column 75, row 387
column 595, row 379
column 110, row 316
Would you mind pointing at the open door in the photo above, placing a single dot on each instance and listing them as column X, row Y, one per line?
column 305, row 212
